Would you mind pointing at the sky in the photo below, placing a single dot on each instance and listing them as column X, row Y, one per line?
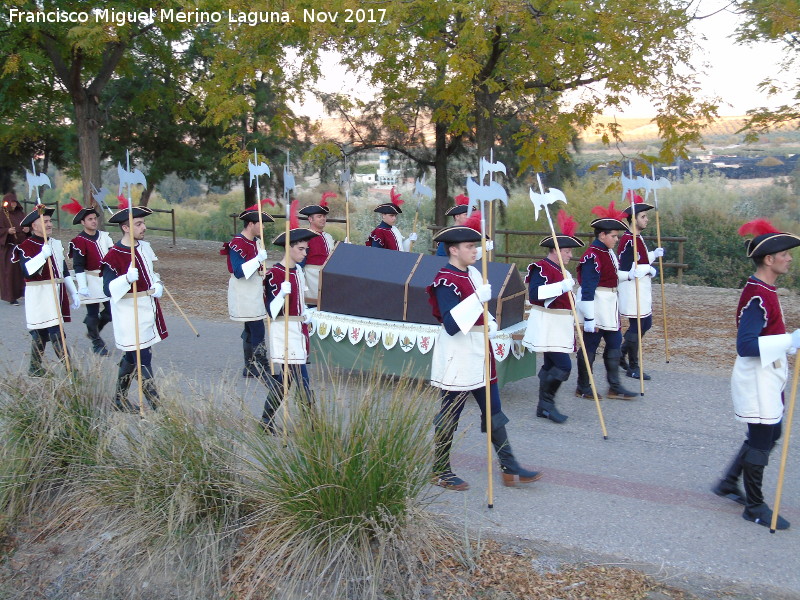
column 732, row 72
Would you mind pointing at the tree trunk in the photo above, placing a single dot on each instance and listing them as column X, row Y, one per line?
column 145, row 199
column 87, row 124
column 249, row 191
column 442, row 201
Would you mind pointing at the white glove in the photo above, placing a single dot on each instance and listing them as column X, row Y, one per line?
column 634, row 273
column 261, row 256
column 489, row 245
column 306, row 317
column 658, row 253
column 83, row 285
column 346, row 240
column 159, row 289
column 588, row 325
column 652, row 272
column 47, row 251
column 132, row 274
column 76, row 301
column 286, row 289
column 484, row 292
column 412, row 237
column 492, row 329
column 796, row 339
column 567, row 284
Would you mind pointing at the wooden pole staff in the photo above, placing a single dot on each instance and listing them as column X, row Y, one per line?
column 660, row 273
column 180, row 310
column 635, row 266
column 288, row 203
column 785, row 450
column 487, row 362
column 134, row 289
column 578, row 332
column 51, row 261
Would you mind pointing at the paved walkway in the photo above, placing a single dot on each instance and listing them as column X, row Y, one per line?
column 640, row 498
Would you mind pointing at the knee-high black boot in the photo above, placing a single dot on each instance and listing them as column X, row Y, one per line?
column 104, row 318
column 149, row 387
column 549, row 382
column 124, row 377
column 728, row 486
column 61, row 351
column 624, row 350
column 513, row 472
column 443, row 476
column 271, row 404
column 250, row 368
column 615, row 387
column 632, row 369
column 756, row 509
column 584, row 388
column 93, row 333
column 38, row 345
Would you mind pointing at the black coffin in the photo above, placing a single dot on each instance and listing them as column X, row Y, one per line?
column 390, row 285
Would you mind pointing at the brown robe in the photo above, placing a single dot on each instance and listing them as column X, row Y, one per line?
column 12, row 284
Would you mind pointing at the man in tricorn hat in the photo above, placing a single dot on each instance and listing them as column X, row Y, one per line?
column 627, row 289
column 42, row 263
column 319, row 247
column 276, row 289
column 87, row 250
column 118, row 276
column 457, row 295
column 761, row 368
column 551, row 328
column 246, row 254
column 598, row 303
column 459, row 214
column 386, row 234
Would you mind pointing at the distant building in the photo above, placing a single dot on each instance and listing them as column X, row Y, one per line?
column 385, row 176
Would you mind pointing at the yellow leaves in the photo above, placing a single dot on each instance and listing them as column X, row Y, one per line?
column 11, row 64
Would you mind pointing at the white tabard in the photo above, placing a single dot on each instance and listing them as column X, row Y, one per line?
column 312, row 282
column 298, row 353
column 458, row 360
column 122, row 310
column 627, row 297
column 549, row 330
column 41, row 310
column 94, row 280
column 606, row 308
column 246, row 298
column 756, row 390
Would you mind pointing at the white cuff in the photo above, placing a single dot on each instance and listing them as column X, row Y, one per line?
column 651, row 256
column 773, row 347
column 587, row 309
column 70, row 285
column 642, row 270
column 275, row 306
column 118, row 288
column 81, row 277
column 466, row 312
column 34, row 264
column 551, row 290
column 406, row 245
column 250, row 267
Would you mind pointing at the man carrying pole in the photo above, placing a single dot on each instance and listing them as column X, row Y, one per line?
column 47, row 288
column 319, row 247
column 386, row 235
column 761, row 368
column 458, row 296
column 138, row 321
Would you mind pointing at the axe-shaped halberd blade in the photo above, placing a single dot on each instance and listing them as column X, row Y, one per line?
column 631, row 184
column 288, row 180
column 344, row 176
column 130, row 178
column 485, row 193
column 544, row 199
column 261, row 168
column 490, row 167
column 34, row 181
column 420, row 189
column 100, row 197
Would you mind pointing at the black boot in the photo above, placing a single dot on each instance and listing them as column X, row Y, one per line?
column 93, row 333
column 624, row 349
column 271, row 404
column 443, row 475
column 756, row 509
column 38, row 345
column 105, row 317
column 615, row 388
column 149, row 387
column 549, row 382
column 124, row 376
column 61, row 352
column 632, row 369
column 513, row 472
column 250, row 369
column 584, row 388
column 728, row 486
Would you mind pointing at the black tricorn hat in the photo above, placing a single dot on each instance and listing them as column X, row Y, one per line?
column 767, row 240
column 564, row 241
column 298, row 234
column 121, row 216
column 34, row 214
column 639, row 205
column 250, row 215
column 83, row 213
column 388, row 208
column 314, row 209
column 457, row 234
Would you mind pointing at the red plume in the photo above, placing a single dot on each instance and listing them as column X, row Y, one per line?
column 637, row 199
column 123, row 203
column 269, row 201
column 325, row 196
column 73, row 207
column 294, row 220
column 567, row 224
column 462, row 200
column 474, row 221
column 757, row 227
column 609, row 212
column 395, row 197
column 253, row 207
column 256, row 205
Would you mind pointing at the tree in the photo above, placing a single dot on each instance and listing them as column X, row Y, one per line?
column 478, row 64
column 773, row 21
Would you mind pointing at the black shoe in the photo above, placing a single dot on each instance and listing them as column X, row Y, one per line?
column 634, row 374
column 449, row 481
column 552, row 414
column 726, row 489
column 14, row 303
column 762, row 514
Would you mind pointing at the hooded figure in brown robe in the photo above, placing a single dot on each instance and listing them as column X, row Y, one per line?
column 12, row 284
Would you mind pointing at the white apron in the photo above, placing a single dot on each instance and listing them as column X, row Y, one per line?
column 606, row 311
column 297, row 341
column 94, row 280
column 549, row 330
column 458, row 360
column 756, row 390
column 246, row 298
column 627, row 298
column 41, row 310
column 123, row 313
column 311, row 273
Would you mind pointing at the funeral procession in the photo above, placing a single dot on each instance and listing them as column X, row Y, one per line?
column 398, row 300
